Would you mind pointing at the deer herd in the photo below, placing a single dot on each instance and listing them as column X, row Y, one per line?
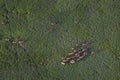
column 77, row 53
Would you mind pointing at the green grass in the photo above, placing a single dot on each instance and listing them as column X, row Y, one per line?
column 75, row 21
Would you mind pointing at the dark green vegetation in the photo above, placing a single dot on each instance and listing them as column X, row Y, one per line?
column 50, row 28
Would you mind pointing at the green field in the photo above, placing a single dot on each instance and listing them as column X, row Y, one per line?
column 50, row 28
